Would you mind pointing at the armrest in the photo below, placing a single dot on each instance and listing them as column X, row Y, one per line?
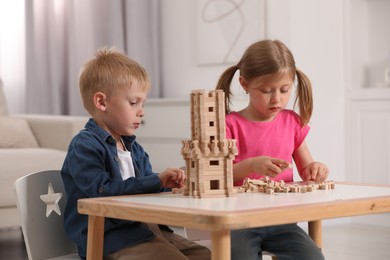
column 54, row 131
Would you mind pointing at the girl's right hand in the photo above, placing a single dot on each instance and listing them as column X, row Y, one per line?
column 268, row 166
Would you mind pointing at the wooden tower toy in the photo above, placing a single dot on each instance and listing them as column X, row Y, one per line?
column 208, row 155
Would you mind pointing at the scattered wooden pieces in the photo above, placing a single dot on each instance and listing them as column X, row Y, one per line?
column 269, row 186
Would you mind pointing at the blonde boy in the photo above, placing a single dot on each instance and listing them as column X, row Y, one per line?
column 104, row 159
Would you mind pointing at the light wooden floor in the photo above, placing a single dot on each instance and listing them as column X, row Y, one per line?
column 356, row 242
column 340, row 242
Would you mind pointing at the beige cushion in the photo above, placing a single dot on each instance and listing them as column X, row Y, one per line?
column 16, row 163
column 16, row 133
column 3, row 103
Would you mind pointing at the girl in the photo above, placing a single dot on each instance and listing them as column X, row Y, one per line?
column 269, row 137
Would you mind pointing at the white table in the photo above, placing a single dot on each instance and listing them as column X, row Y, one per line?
column 244, row 210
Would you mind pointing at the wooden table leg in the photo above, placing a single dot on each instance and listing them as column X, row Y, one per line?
column 95, row 237
column 220, row 244
column 315, row 232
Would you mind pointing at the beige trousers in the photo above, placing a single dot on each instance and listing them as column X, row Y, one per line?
column 165, row 245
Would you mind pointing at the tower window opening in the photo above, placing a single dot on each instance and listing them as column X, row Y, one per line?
column 214, row 162
column 214, row 185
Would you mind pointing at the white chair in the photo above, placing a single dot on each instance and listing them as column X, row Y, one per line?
column 40, row 200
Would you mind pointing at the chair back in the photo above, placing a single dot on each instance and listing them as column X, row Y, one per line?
column 41, row 200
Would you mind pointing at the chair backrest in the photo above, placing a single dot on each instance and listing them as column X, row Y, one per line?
column 41, row 200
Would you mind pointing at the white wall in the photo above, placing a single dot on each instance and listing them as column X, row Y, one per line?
column 12, row 54
column 313, row 29
column 180, row 72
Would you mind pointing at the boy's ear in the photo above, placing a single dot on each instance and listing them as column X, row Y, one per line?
column 99, row 100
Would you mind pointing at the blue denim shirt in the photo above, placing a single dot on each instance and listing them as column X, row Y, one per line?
column 91, row 169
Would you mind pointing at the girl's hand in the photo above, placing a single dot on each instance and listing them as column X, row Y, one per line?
column 172, row 178
column 315, row 171
column 268, row 166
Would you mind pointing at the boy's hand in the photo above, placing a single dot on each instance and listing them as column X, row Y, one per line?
column 172, row 178
column 268, row 166
column 315, row 171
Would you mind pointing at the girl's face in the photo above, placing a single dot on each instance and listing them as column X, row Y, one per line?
column 268, row 95
column 123, row 111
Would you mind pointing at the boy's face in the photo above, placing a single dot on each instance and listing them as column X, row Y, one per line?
column 123, row 110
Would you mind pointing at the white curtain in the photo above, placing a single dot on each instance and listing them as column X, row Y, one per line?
column 63, row 34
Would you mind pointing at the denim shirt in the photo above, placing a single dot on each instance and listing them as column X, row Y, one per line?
column 91, row 169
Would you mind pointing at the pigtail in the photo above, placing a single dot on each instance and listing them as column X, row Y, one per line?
column 304, row 97
column 224, row 83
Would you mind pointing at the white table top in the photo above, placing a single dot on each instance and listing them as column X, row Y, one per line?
column 255, row 200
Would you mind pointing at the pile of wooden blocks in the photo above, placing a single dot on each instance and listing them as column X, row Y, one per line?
column 269, row 186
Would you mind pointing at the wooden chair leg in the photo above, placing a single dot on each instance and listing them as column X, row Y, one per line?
column 315, row 232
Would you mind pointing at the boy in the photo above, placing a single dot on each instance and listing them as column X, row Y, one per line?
column 104, row 159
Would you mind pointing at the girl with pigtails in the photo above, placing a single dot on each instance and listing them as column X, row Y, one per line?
column 270, row 138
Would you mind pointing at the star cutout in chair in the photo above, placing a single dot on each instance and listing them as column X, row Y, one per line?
column 51, row 199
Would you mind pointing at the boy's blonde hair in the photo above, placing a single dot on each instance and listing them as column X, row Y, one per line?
column 109, row 70
column 270, row 57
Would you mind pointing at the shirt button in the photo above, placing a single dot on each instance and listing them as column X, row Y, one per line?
column 111, row 140
column 101, row 190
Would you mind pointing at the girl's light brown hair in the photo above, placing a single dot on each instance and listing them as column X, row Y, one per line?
column 268, row 57
column 109, row 70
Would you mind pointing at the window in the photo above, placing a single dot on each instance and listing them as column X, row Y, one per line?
column 214, row 185
column 214, row 162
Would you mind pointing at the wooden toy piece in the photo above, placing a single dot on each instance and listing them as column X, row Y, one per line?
column 239, row 189
column 177, row 190
column 209, row 155
column 294, row 188
column 324, row 186
column 268, row 186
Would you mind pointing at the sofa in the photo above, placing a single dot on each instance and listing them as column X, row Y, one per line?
column 29, row 143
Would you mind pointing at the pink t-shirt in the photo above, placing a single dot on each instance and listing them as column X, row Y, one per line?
column 278, row 138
